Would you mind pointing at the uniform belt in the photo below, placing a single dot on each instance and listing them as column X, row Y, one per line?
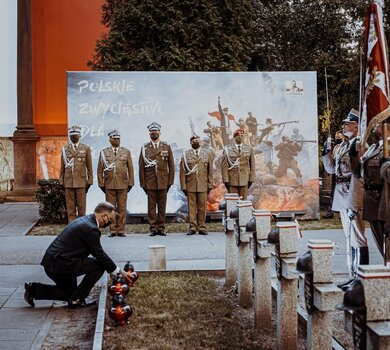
column 373, row 187
column 340, row 179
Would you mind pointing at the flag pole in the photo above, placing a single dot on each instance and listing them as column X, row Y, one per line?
column 327, row 103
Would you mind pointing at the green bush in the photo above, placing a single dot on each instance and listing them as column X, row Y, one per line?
column 51, row 198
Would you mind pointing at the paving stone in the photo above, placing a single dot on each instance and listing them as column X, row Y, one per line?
column 18, row 334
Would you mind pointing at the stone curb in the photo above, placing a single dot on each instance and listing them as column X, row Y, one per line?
column 99, row 329
column 29, row 228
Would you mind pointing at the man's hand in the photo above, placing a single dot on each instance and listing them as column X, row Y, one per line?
column 145, row 190
column 129, row 188
column 87, row 188
column 351, row 214
column 185, row 192
column 327, row 146
column 103, row 189
column 126, row 277
column 227, row 185
column 250, row 183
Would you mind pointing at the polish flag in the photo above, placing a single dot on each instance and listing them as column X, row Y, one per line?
column 218, row 116
column 376, row 106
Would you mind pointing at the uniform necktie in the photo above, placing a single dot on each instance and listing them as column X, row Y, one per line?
column 197, row 154
column 74, row 147
column 155, row 146
column 239, row 149
column 115, row 151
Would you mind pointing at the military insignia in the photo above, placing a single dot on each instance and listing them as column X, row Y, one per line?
column 164, row 153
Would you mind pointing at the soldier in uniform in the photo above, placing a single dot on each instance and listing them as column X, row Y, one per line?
column 348, row 195
column 196, row 181
column 76, row 173
column 116, row 178
column 377, row 192
column 206, row 144
column 287, row 150
column 238, row 166
column 156, row 175
column 215, row 135
column 245, row 136
column 251, row 121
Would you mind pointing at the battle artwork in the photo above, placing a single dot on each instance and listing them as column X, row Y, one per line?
column 276, row 111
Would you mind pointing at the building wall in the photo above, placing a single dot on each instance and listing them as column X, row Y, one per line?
column 64, row 34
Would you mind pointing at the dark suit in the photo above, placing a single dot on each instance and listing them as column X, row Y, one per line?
column 68, row 257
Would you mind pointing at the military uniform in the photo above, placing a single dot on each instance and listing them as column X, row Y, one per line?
column 116, row 175
column 76, row 175
column 196, row 178
column 251, row 121
column 156, row 175
column 375, row 208
column 238, row 168
column 348, row 196
column 286, row 152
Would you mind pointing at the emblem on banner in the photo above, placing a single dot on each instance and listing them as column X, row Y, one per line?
column 294, row 87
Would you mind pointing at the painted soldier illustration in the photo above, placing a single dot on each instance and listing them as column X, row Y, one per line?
column 214, row 133
column 245, row 136
column 376, row 206
column 348, row 195
column 287, row 151
column 225, row 122
column 156, row 175
column 206, row 144
column 196, row 181
column 116, row 178
column 76, row 173
column 238, row 166
column 251, row 122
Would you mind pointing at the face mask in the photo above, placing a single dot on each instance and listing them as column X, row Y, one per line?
column 338, row 141
column 154, row 136
column 108, row 223
column 115, row 142
column 195, row 145
column 74, row 138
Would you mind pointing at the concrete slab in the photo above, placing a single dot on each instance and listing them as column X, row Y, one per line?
column 18, row 334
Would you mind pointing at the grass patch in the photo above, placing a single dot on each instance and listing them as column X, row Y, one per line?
column 55, row 229
column 181, row 311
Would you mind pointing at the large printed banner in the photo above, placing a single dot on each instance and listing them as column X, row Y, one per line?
column 277, row 110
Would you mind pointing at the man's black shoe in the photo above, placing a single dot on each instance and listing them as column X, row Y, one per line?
column 112, row 234
column 161, row 233
column 80, row 303
column 121, row 234
column 204, row 233
column 190, row 233
column 28, row 294
column 344, row 286
column 152, row 233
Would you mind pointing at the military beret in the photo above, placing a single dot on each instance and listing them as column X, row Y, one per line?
column 238, row 132
column 154, row 127
column 74, row 130
column 194, row 137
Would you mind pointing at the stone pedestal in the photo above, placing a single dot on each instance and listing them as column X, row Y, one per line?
column 263, row 223
column 245, row 283
column 231, row 254
column 157, row 257
column 287, row 322
column 325, row 295
column 231, row 202
column 376, row 283
column 287, row 299
column 262, row 285
column 378, row 336
column 245, row 211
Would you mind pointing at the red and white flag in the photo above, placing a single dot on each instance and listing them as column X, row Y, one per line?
column 217, row 115
column 376, row 106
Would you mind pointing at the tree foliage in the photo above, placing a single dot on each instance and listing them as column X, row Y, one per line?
column 246, row 35
column 175, row 35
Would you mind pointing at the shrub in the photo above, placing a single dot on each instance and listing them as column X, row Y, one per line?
column 50, row 196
